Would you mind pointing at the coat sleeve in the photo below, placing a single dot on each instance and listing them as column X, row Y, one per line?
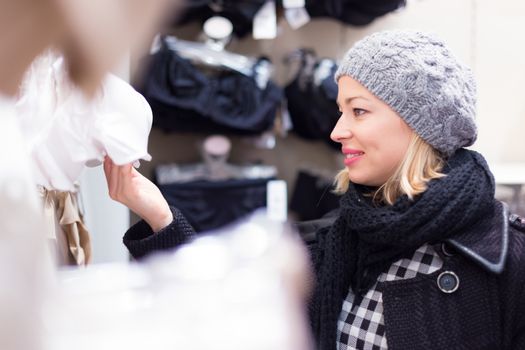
column 514, row 312
column 518, row 342
column 312, row 233
column 141, row 240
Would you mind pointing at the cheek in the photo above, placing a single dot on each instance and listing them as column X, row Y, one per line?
column 395, row 146
column 388, row 147
column 394, row 154
column 385, row 141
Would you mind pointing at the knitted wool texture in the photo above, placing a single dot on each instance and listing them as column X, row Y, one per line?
column 419, row 78
column 141, row 240
column 367, row 239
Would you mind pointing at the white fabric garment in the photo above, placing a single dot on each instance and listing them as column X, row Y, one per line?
column 66, row 132
column 25, row 264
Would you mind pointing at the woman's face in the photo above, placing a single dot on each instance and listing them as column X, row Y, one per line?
column 374, row 138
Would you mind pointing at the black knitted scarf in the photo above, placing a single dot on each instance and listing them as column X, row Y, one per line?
column 366, row 238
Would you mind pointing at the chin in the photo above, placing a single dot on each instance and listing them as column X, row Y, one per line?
column 358, row 180
column 363, row 180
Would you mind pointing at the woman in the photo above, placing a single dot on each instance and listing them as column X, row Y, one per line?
column 421, row 255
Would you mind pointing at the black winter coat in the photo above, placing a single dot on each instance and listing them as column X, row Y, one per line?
column 486, row 311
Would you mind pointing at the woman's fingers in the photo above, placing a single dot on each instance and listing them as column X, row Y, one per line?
column 123, row 185
column 111, row 178
column 107, row 168
column 114, row 182
column 117, row 177
column 127, row 186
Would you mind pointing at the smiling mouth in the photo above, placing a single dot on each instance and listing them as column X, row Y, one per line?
column 353, row 155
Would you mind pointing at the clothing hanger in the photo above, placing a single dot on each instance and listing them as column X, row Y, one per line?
column 310, row 65
column 215, row 152
column 300, row 61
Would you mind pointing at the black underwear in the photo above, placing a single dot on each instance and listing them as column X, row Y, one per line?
column 241, row 13
column 313, row 108
column 312, row 196
column 355, row 12
column 184, row 99
column 212, row 204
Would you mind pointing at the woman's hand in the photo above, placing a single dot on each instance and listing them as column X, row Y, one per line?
column 127, row 186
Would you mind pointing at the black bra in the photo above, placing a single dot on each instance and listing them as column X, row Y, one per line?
column 242, row 12
column 312, row 104
column 355, row 12
column 208, row 205
column 183, row 98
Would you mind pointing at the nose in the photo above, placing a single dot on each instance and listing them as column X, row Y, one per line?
column 341, row 130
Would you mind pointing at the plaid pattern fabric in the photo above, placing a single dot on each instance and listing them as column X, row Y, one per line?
column 363, row 327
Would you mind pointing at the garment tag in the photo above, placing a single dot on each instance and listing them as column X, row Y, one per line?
column 296, row 17
column 323, row 71
column 265, row 22
column 293, row 3
column 285, row 116
column 155, row 44
column 276, row 200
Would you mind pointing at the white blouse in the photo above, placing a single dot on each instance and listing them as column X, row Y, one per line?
column 66, row 132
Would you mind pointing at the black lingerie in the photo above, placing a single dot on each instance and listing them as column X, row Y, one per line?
column 209, row 205
column 184, row 99
column 312, row 196
column 354, row 12
column 241, row 13
column 312, row 105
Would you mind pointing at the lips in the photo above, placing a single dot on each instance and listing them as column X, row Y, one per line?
column 352, row 155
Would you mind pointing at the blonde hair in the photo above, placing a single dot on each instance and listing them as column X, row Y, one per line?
column 421, row 164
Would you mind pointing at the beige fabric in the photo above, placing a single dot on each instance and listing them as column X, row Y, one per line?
column 65, row 226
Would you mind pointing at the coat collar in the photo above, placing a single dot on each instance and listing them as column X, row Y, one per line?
column 486, row 242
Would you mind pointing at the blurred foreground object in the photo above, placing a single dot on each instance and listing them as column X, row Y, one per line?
column 24, row 266
column 243, row 287
column 101, row 31
column 65, row 132
column 92, row 35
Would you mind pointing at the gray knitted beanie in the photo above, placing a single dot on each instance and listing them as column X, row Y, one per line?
column 419, row 78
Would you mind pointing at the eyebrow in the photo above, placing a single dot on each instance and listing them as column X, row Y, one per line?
column 349, row 99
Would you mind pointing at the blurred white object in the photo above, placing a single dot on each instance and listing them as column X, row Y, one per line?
column 241, row 288
column 215, row 152
column 65, row 131
column 276, row 200
column 510, row 175
column 219, row 31
column 24, row 265
column 265, row 22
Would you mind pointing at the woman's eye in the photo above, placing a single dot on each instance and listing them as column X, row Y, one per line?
column 359, row 111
